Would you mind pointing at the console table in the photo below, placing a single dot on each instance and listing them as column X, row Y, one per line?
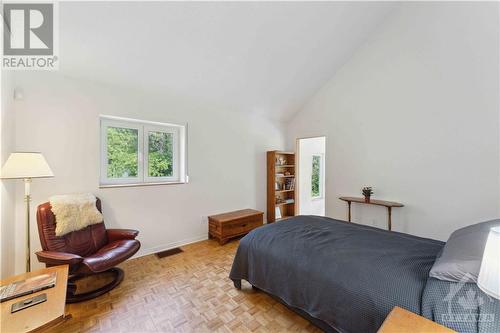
column 388, row 204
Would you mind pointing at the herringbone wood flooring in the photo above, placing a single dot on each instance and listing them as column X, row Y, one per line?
column 186, row 292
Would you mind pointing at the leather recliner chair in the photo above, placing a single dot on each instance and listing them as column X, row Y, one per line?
column 89, row 251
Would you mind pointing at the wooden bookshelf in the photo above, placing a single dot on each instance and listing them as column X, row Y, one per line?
column 280, row 185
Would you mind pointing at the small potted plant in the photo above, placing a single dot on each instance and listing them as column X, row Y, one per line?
column 367, row 192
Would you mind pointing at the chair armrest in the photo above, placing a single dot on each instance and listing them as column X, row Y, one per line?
column 58, row 258
column 118, row 234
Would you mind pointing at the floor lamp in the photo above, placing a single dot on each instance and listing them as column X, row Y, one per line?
column 26, row 165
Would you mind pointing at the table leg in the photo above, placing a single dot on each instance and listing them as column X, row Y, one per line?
column 389, row 222
column 349, row 211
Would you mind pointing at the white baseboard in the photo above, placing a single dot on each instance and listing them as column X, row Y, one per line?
column 164, row 247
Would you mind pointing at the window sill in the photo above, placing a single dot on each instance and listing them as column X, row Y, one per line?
column 140, row 184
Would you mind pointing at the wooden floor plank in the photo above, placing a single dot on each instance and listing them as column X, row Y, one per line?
column 187, row 292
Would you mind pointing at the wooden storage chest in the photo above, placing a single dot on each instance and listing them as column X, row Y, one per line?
column 225, row 226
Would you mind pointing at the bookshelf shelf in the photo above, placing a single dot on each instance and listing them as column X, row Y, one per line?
column 284, row 191
column 284, row 204
column 283, row 218
column 280, row 185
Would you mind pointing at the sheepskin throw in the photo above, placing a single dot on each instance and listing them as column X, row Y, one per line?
column 74, row 212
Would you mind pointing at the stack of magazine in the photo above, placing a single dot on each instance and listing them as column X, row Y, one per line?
column 28, row 286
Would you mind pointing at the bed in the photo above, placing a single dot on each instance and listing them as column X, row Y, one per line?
column 347, row 277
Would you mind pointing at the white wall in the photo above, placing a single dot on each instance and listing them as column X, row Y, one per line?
column 7, row 187
column 498, row 37
column 226, row 156
column 414, row 113
column 307, row 148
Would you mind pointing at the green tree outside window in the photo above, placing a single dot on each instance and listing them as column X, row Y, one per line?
column 315, row 178
column 160, row 148
column 122, row 152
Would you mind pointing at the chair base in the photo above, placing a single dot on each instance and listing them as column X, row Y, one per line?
column 71, row 297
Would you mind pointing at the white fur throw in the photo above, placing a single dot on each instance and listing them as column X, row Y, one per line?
column 74, row 212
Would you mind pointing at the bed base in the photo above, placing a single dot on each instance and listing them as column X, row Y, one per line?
column 315, row 321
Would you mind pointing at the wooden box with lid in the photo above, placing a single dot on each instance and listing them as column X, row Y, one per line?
column 225, row 226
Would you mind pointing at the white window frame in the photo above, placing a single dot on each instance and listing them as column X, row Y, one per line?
column 144, row 128
column 321, row 175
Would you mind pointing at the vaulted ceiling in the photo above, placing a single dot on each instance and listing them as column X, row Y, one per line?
column 252, row 57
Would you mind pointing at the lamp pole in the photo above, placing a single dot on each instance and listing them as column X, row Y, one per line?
column 27, row 199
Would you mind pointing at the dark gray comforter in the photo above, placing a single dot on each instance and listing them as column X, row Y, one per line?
column 346, row 275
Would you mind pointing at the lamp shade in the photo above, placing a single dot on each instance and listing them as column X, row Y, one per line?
column 26, row 165
column 489, row 274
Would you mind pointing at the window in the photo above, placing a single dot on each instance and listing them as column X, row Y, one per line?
column 135, row 152
column 316, row 177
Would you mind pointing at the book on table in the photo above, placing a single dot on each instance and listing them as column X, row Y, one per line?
column 28, row 286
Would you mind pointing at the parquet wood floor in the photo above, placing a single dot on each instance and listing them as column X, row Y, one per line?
column 186, row 292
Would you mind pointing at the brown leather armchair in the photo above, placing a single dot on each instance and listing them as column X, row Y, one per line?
column 91, row 250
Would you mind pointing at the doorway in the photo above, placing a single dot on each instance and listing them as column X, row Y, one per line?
column 311, row 159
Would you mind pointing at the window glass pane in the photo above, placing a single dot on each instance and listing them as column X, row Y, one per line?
column 315, row 184
column 160, row 154
column 122, row 152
